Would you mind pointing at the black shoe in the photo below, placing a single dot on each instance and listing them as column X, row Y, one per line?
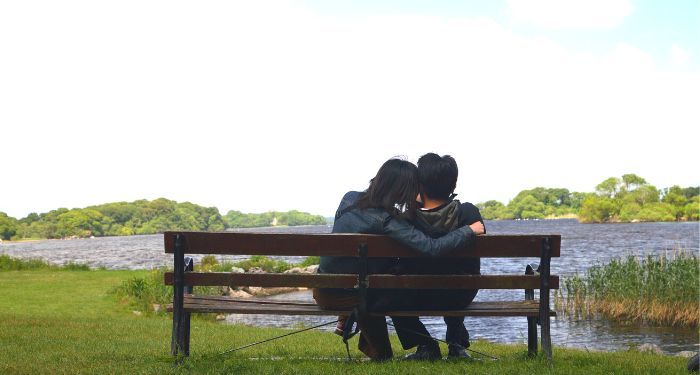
column 458, row 352
column 429, row 352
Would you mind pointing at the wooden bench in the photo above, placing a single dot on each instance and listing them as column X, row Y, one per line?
column 361, row 246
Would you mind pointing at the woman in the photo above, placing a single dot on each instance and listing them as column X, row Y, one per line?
column 383, row 208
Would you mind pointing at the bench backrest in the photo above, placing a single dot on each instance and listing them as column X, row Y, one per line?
column 231, row 243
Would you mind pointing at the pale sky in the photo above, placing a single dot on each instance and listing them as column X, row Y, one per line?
column 278, row 105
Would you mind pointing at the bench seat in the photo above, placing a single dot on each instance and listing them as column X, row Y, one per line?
column 229, row 305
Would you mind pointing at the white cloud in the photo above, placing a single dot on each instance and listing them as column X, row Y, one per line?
column 570, row 14
column 679, row 56
column 227, row 104
column 626, row 59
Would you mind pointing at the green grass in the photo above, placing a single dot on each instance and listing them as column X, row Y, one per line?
column 72, row 322
column 8, row 263
column 660, row 290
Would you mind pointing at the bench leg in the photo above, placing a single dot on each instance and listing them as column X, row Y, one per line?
column 174, row 340
column 544, row 298
column 546, row 338
column 180, row 342
column 185, row 345
column 531, row 337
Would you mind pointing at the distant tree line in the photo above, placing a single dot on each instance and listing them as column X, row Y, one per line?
column 626, row 199
column 140, row 217
column 237, row 219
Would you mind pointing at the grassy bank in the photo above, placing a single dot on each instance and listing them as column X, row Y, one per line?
column 66, row 321
column 660, row 290
column 8, row 263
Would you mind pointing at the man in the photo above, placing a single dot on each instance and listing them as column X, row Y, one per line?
column 440, row 214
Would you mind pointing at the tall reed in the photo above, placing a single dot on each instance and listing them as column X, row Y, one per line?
column 658, row 290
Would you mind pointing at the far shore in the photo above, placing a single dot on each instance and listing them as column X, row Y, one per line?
column 24, row 240
column 242, row 229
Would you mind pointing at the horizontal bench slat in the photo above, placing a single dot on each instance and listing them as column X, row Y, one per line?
column 266, row 279
column 460, row 282
column 375, row 281
column 265, row 301
column 256, row 306
column 487, row 246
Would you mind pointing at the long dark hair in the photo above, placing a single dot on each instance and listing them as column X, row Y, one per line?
column 393, row 189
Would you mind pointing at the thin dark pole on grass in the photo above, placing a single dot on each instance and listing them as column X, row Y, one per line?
column 276, row 337
column 443, row 341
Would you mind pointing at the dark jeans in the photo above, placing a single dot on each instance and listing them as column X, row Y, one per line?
column 374, row 336
column 411, row 330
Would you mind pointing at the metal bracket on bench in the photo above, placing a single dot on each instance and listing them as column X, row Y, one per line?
column 531, row 269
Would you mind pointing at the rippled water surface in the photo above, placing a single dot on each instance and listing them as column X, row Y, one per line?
column 583, row 245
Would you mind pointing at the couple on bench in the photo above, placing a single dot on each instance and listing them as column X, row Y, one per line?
column 414, row 205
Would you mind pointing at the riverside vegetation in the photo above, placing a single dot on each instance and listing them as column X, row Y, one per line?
column 626, row 199
column 660, row 290
column 80, row 325
column 141, row 217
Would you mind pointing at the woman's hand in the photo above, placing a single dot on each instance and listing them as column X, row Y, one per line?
column 477, row 228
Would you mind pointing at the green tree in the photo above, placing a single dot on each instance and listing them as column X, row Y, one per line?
column 527, row 207
column 692, row 208
column 609, row 188
column 657, row 211
column 630, row 211
column 677, row 199
column 32, row 217
column 632, row 181
column 491, row 210
column 692, row 191
column 577, row 200
column 79, row 222
column 8, row 226
column 597, row 209
column 642, row 195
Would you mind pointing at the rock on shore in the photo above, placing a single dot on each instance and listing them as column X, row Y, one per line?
column 256, row 291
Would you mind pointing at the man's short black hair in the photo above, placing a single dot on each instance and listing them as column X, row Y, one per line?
column 437, row 175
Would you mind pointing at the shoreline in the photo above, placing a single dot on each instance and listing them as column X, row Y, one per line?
column 27, row 240
column 247, row 229
column 232, row 230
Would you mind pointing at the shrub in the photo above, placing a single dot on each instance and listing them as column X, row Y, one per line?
column 143, row 292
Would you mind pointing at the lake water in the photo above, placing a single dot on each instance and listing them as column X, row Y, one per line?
column 583, row 245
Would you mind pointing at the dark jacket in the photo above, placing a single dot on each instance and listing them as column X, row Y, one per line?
column 437, row 222
column 378, row 221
